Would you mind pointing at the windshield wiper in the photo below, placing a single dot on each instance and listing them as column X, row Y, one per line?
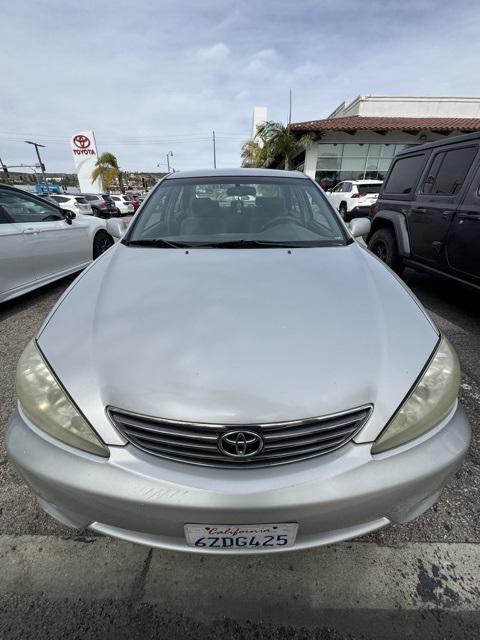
column 247, row 244
column 157, row 242
column 227, row 244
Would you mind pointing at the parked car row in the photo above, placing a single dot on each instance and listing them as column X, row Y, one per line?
column 102, row 205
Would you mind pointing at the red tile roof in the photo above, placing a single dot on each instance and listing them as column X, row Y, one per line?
column 364, row 123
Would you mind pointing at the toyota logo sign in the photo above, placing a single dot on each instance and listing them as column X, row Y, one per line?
column 81, row 141
column 82, row 145
column 240, row 444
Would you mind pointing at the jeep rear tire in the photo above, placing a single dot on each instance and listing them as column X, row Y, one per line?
column 384, row 245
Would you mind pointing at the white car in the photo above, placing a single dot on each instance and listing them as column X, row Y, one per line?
column 123, row 204
column 353, row 198
column 69, row 202
column 40, row 243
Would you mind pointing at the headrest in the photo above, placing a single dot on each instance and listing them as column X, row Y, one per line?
column 204, row 206
column 271, row 205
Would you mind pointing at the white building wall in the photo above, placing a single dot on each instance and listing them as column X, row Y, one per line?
column 310, row 165
column 410, row 107
column 259, row 117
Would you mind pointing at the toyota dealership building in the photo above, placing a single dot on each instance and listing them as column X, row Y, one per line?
column 359, row 140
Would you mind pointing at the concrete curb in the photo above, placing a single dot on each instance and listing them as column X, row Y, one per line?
column 363, row 576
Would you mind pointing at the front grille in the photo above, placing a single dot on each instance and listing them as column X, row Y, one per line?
column 279, row 443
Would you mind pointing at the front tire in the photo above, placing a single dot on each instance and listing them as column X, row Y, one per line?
column 342, row 209
column 384, row 245
column 101, row 243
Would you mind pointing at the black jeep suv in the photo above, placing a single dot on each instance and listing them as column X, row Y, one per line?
column 428, row 212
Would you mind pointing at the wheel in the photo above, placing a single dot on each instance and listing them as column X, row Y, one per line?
column 342, row 209
column 384, row 245
column 101, row 243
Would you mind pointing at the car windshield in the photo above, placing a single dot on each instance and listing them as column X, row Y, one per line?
column 80, row 200
column 242, row 212
column 363, row 189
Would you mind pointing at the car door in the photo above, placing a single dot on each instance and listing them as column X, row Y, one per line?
column 50, row 245
column 15, row 271
column 439, row 194
column 463, row 240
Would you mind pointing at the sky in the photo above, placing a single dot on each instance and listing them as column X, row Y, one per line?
column 150, row 76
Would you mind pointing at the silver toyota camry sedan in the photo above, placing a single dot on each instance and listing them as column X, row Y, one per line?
column 237, row 375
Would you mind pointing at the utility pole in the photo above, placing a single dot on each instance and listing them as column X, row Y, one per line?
column 214, row 152
column 290, row 110
column 42, row 166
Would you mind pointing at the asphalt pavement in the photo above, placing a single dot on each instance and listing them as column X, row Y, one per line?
column 415, row 580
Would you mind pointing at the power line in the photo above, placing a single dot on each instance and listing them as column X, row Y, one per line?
column 128, row 139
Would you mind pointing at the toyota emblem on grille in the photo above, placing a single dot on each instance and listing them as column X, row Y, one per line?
column 240, row 444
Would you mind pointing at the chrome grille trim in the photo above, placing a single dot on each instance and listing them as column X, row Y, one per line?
column 196, row 442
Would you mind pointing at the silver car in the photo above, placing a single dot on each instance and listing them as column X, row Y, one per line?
column 40, row 242
column 241, row 379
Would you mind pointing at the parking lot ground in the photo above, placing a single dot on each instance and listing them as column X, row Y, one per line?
column 416, row 580
column 360, row 590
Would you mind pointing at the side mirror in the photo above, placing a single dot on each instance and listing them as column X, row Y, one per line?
column 116, row 227
column 359, row 227
column 69, row 216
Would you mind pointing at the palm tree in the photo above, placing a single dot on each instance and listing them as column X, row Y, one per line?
column 252, row 154
column 281, row 143
column 107, row 169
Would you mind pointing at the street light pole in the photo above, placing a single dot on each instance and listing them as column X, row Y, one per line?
column 214, row 152
column 36, row 145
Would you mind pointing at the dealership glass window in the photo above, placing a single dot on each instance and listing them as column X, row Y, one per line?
column 330, row 150
column 354, row 161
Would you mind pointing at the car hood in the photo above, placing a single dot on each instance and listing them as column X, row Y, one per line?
column 237, row 336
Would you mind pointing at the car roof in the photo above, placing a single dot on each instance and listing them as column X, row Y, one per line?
column 468, row 137
column 364, row 181
column 236, row 173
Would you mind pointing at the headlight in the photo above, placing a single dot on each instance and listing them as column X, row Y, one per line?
column 430, row 401
column 47, row 405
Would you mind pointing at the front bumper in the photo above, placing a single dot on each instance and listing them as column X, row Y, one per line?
column 148, row 500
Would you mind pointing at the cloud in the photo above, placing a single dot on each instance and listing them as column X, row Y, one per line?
column 163, row 79
column 262, row 61
column 215, row 53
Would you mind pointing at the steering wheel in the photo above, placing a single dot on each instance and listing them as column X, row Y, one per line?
column 278, row 220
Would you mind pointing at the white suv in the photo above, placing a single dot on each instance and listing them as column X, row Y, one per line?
column 353, row 198
column 123, row 204
column 73, row 203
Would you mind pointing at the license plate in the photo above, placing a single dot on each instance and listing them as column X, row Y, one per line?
column 238, row 538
